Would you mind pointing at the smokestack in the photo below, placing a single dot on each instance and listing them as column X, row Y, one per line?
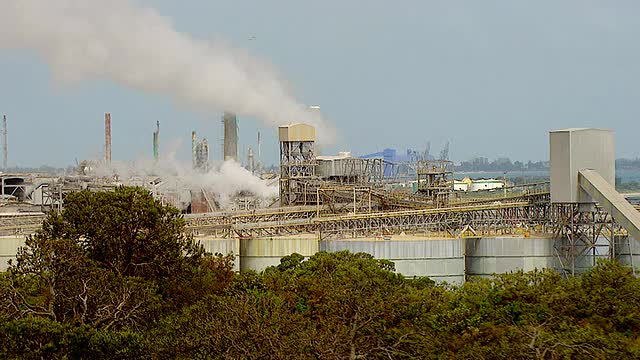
column 156, row 142
column 193, row 148
column 259, row 150
column 107, row 138
column 230, row 147
column 251, row 164
column 5, row 145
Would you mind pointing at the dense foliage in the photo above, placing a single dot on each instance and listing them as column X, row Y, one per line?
column 114, row 276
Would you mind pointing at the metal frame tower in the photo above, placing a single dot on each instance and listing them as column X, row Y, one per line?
column 297, row 161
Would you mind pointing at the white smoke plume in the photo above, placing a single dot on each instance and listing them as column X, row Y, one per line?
column 139, row 48
column 223, row 181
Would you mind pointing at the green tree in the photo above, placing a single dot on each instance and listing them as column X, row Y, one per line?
column 357, row 304
column 109, row 260
column 126, row 231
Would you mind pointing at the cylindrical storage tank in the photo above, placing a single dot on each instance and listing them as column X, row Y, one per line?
column 258, row 254
column 439, row 259
column 628, row 251
column 222, row 246
column 9, row 248
column 496, row 255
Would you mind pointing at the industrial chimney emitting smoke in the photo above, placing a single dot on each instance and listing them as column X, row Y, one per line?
column 230, row 146
column 107, row 138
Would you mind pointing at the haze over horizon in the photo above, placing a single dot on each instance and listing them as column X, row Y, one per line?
column 492, row 78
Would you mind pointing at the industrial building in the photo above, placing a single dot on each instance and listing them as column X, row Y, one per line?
column 342, row 202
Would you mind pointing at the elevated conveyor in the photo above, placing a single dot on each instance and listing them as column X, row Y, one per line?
column 611, row 201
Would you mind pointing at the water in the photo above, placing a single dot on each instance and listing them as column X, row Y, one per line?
column 628, row 175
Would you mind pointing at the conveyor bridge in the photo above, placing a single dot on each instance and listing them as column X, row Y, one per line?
column 611, row 201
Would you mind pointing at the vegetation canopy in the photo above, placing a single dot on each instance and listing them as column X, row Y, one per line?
column 115, row 276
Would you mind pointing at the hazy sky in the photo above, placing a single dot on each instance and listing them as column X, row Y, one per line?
column 491, row 77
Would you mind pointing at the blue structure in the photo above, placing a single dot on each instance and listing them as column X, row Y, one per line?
column 391, row 158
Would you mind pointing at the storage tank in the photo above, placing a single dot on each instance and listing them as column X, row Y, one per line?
column 441, row 260
column 224, row 246
column 258, row 254
column 9, row 248
column 495, row 255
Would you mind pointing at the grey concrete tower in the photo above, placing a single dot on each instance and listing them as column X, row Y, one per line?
column 230, row 147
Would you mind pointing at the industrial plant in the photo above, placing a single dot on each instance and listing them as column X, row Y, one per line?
column 441, row 228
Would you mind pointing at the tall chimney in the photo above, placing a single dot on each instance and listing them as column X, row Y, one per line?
column 230, row 147
column 193, row 149
column 5, row 145
column 156, row 142
column 107, row 138
column 259, row 149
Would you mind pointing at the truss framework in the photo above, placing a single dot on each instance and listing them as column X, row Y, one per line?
column 297, row 163
column 448, row 222
column 583, row 233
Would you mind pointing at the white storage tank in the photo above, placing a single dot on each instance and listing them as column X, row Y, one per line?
column 439, row 259
column 9, row 248
column 222, row 246
column 495, row 255
column 258, row 254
